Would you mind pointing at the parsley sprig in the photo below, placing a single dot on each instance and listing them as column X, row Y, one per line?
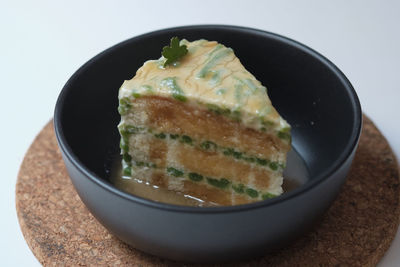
column 174, row 51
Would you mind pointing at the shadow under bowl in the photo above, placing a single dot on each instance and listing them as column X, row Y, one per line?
column 308, row 91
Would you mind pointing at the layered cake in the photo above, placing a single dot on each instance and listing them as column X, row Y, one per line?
column 196, row 122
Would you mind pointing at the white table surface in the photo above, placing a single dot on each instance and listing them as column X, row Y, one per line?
column 42, row 43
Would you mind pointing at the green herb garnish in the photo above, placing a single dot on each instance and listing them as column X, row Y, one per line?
column 174, row 51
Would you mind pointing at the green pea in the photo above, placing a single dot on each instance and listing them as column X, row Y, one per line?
column 220, row 183
column 284, row 135
column 237, row 155
column 126, row 130
column 239, row 188
column 128, row 171
column 208, row 145
column 228, row 151
column 132, row 129
column 267, row 124
column 150, row 164
column 121, row 110
column 235, row 114
column 214, row 108
column 174, row 172
column 127, row 157
column 160, row 135
column 123, row 145
column 273, row 166
column 124, row 105
column 267, row 196
column 180, row 97
column 173, row 136
column 261, row 161
column 186, row 139
column 136, row 95
column 251, row 192
column 195, row 177
column 285, row 129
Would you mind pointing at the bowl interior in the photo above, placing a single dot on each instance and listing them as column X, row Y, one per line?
column 307, row 90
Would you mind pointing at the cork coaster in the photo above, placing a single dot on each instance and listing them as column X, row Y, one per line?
column 355, row 231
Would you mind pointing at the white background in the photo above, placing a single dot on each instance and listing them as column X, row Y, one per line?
column 42, row 43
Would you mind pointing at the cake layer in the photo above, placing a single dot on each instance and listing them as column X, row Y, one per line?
column 222, row 191
column 171, row 116
column 221, row 166
column 148, row 143
column 164, row 153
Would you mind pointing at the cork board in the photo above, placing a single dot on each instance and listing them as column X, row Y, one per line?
column 355, row 231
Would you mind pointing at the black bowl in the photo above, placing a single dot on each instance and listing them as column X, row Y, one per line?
column 306, row 88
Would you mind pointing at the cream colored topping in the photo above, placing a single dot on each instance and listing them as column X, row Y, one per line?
column 209, row 74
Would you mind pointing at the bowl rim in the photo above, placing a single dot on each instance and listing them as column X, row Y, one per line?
column 343, row 157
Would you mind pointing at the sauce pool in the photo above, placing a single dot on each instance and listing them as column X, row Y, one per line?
column 294, row 175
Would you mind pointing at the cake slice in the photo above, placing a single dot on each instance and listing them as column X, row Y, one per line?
column 203, row 126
